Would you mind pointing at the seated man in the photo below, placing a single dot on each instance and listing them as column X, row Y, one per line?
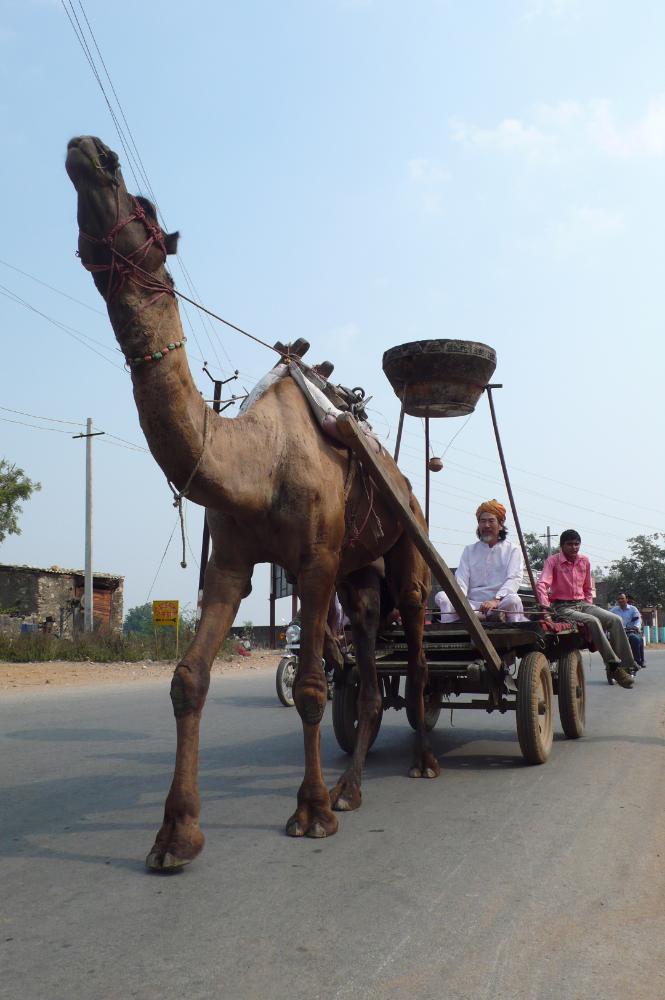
column 565, row 581
column 490, row 571
column 632, row 623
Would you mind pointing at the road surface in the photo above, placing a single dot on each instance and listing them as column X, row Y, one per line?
column 497, row 881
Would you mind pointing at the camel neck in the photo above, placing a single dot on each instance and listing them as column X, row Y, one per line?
column 171, row 409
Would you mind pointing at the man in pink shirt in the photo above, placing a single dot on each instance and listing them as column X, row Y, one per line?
column 566, row 583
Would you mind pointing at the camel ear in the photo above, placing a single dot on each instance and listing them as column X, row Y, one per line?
column 171, row 242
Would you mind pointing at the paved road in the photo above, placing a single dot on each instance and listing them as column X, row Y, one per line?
column 496, row 882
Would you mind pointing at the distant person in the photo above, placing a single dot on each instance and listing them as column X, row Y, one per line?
column 566, row 583
column 489, row 571
column 632, row 623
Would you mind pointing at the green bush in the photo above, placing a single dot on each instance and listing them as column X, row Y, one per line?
column 99, row 647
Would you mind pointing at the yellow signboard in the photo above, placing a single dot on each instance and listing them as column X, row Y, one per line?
column 165, row 613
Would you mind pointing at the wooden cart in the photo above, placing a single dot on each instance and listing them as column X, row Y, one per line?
column 470, row 658
column 536, row 665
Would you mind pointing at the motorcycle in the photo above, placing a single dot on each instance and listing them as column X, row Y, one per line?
column 288, row 666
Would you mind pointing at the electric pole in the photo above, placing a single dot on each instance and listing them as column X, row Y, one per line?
column 548, row 539
column 205, row 542
column 87, row 586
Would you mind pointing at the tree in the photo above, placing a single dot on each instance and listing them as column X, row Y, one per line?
column 14, row 487
column 536, row 550
column 139, row 619
column 642, row 574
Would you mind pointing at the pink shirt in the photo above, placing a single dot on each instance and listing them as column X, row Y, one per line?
column 562, row 580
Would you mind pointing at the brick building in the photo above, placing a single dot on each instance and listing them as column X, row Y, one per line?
column 39, row 596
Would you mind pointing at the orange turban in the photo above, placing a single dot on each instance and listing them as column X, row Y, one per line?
column 492, row 507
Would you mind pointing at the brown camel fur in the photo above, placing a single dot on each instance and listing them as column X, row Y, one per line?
column 274, row 491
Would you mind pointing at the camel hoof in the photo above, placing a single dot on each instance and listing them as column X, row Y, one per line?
column 294, row 829
column 316, row 830
column 430, row 769
column 167, row 863
column 343, row 805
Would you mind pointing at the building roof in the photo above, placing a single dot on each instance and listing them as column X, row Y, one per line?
column 61, row 571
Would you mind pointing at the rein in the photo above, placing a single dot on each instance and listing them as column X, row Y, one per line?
column 122, row 269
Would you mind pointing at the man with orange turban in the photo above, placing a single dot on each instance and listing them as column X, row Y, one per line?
column 490, row 571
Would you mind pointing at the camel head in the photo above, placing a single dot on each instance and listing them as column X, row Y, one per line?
column 117, row 232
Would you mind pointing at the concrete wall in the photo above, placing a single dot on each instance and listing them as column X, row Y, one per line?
column 33, row 595
column 18, row 590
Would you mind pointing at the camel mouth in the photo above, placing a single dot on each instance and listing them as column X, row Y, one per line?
column 88, row 158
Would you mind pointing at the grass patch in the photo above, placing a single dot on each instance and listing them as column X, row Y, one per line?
column 98, row 647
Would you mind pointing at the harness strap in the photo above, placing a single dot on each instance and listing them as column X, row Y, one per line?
column 178, row 497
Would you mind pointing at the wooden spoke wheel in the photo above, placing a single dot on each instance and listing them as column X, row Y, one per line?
column 432, row 707
column 572, row 694
column 345, row 716
column 534, row 708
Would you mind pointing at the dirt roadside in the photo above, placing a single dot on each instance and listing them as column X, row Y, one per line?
column 66, row 673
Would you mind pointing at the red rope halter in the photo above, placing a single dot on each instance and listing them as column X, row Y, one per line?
column 122, row 269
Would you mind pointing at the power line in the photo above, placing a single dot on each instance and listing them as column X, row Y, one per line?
column 35, row 427
column 58, row 291
column 72, row 423
column 134, row 159
column 549, row 479
column 161, row 561
column 137, row 447
column 496, row 481
column 54, row 420
column 70, row 331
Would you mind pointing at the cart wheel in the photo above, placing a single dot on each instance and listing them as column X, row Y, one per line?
column 534, row 708
column 432, row 707
column 286, row 673
column 345, row 716
column 572, row 694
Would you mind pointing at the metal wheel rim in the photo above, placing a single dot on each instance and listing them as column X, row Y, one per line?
column 288, row 678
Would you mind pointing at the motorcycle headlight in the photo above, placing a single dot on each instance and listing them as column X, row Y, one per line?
column 292, row 634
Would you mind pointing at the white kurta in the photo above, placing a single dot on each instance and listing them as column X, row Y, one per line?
column 486, row 573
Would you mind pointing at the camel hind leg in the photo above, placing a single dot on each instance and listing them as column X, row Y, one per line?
column 409, row 580
column 313, row 816
column 360, row 596
column 180, row 838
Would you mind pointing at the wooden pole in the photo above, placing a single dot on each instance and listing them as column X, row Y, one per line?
column 509, row 490
column 427, row 470
column 400, row 426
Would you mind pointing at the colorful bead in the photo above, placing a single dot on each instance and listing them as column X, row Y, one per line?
column 158, row 355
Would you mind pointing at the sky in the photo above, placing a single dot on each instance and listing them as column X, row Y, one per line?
column 361, row 173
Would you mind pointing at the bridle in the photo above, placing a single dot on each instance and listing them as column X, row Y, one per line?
column 123, row 269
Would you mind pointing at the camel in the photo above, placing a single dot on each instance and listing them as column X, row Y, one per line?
column 275, row 489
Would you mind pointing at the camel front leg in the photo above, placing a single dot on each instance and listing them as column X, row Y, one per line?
column 180, row 839
column 313, row 816
column 360, row 594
